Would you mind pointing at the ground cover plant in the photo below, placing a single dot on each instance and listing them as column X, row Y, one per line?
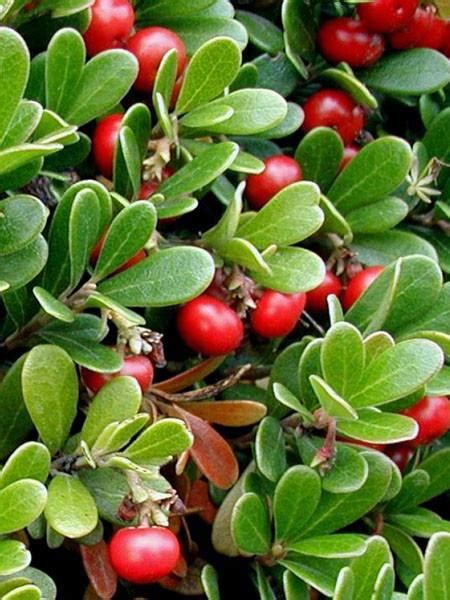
column 224, row 299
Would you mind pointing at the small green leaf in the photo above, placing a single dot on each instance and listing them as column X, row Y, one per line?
column 21, row 503
column 378, row 217
column 243, row 252
column 379, row 427
column 19, row 268
column 294, row 588
column 83, row 233
column 250, row 525
column 116, row 435
column 14, row 556
column 320, row 154
column 344, row 545
column 127, row 164
column 269, row 449
column 22, row 220
column 119, row 399
column 229, row 222
column 331, row 402
column 28, row 461
column 70, row 509
column 211, row 69
column 344, row 79
column 210, row 583
column 264, row 34
column 296, row 498
column 320, row 573
column 50, row 390
column 437, row 575
column 299, row 33
column 166, row 77
column 161, row 440
column 366, row 567
column 52, row 306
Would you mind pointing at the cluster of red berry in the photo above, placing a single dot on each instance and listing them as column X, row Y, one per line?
column 360, row 42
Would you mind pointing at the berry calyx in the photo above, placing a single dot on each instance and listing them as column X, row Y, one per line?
column 276, row 314
column 104, row 143
column 143, row 554
column 316, row 299
column 139, row 367
column 149, row 45
column 348, row 40
column 432, row 414
column 386, row 16
column 280, row 171
column 210, row 326
column 358, row 285
column 110, row 26
column 335, row 109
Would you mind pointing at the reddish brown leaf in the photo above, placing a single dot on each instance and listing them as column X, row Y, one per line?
column 186, row 379
column 233, row 413
column 198, row 498
column 99, row 570
column 211, row 453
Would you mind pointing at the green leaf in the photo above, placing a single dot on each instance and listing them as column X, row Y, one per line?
column 349, row 471
column 21, row 503
column 367, row 566
column 375, row 249
column 409, row 73
column 128, row 234
column 344, row 545
column 283, row 395
column 379, row 427
column 378, row 217
column 437, row 466
column 296, row 498
column 14, row 69
column 414, row 485
column 17, row 156
column 25, row 120
column 375, row 172
column 63, row 67
column 201, row 171
column 291, row 216
column 165, row 78
column 14, row 556
column 15, row 423
column 440, row 385
column 344, row 79
column 206, row 116
column 331, row 402
column 22, row 220
column 19, row 268
column 320, row 573
column 415, row 591
column 294, row 588
column 50, row 391
column 405, row 548
column 83, row 233
column 28, row 461
column 119, row 399
column 289, row 125
column 293, row 270
column 242, row 252
column 108, row 487
column 138, row 119
column 264, row 34
column 255, row 111
column 269, row 449
column 397, row 372
column 228, row 223
column 319, row 154
column 435, row 140
column 211, row 69
column 299, row 33
column 161, row 440
column 210, row 583
column 52, row 306
column 420, row 522
column 104, row 81
column 275, row 73
column 70, row 509
column 116, row 435
column 343, row 358
column 250, row 526
column 100, row 301
column 437, row 575
column 127, row 164
column 334, row 221
column 157, row 281
column 336, row 511
column 344, row 585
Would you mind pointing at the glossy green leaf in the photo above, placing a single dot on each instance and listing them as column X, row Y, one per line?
column 243, row 252
column 320, row 573
column 294, row 588
column 116, row 435
column 50, row 391
column 166, row 77
column 376, row 249
column 164, row 438
column 320, row 153
column 127, row 164
column 52, row 306
column 378, row 217
column 19, row 268
column 331, row 402
column 21, row 503
column 22, row 220
column 366, row 567
column 14, row 556
column 344, row 79
column 269, row 449
column 299, row 34
column 29, row 461
column 342, row 545
column 83, row 233
column 437, row 576
column 250, row 525
column 264, row 34
column 210, row 583
column 379, row 427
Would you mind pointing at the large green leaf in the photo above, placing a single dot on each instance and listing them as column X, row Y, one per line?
column 20, row 504
column 166, row 278
column 70, row 509
column 50, row 391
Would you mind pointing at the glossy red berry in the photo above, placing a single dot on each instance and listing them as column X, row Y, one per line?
column 149, row 45
column 358, row 285
column 210, row 326
column 400, row 454
column 110, row 26
column 316, row 299
column 385, row 16
column 432, row 414
column 445, row 46
column 335, row 109
column 348, row 40
column 280, row 171
column 435, row 35
column 143, row 554
column 139, row 367
column 276, row 314
column 350, row 152
column 415, row 32
column 104, row 143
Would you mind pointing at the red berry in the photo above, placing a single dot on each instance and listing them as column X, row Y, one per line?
column 400, row 454
column 349, row 154
column 385, row 16
column 435, row 35
column 348, row 40
column 336, row 109
column 445, row 47
column 148, row 188
column 316, row 299
column 432, row 414
column 104, row 143
column 143, row 554
column 209, row 326
column 110, row 26
column 280, row 172
column 414, row 32
column 149, row 45
column 359, row 284
column 139, row 367
column 277, row 314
